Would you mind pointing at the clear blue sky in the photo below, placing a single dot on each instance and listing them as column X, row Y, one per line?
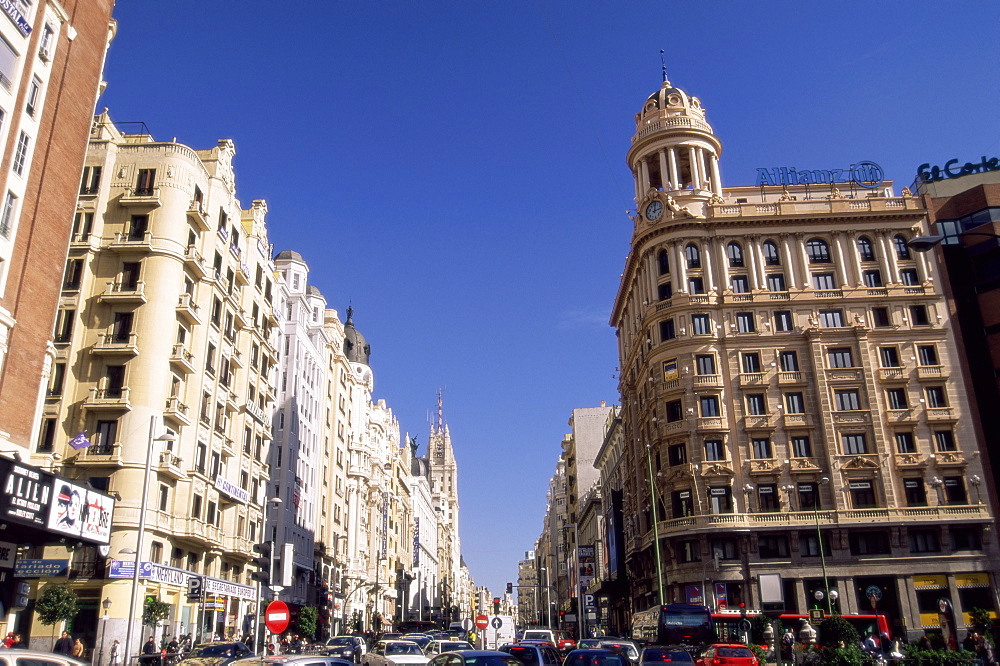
column 456, row 171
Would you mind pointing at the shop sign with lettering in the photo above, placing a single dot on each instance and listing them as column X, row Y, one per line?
column 230, row 489
column 952, row 169
column 9, row 7
column 863, row 174
column 40, row 568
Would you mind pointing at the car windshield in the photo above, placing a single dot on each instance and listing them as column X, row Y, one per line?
column 528, row 655
column 627, row 648
column 733, row 652
column 402, row 648
column 420, row 639
column 212, row 651
column 343, row 640
column 590, row 643
column 492, row 660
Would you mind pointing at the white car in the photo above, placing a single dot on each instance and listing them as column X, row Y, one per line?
column 437, row 647
column 395, row 653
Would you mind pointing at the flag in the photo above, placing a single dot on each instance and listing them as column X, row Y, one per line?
column 80, row 441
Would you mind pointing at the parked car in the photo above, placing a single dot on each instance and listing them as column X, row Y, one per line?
column 19, row 657
column 293, row 660
column 216, row 653
column 595, row 657
column 395, row 653
column 474, row 658
column 437, row 647
column 530, row 654
column 628, row 648
column 656, row 656
column 347, row 647
column 726, row 654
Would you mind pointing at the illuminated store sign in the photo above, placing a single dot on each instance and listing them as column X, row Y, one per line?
column 863, row 174
column 929, row 174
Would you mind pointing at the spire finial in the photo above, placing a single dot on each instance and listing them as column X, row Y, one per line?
column 440, row 422
column 663, row 66
column 350, row 315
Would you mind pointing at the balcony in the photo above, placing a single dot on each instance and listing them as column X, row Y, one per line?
column 950, row 459
column 710, row 423
column 941, row 414
column 108, row 400
column 790, row 378
column 228, row 447
column 752, row 379
column 232, row 402
column 123, row 242
column 236, row 358
column 177, row 412
column 765, row 465
column 713, row 381
column 798, row 420
column 100, row 455
column 182, row 359
column 931, row 372
column 196, row 213
column 195, row 263
column 118, row 293
column 195, row 528
column 84, row 243
column 243, row 275
column 891, row 374
column 242, row 321
column 171, row 465
column 844, row 374
column 188, row 310
column 147, row 197
column 111, row 345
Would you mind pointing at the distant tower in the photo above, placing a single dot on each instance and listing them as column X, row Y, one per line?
column 444, row 491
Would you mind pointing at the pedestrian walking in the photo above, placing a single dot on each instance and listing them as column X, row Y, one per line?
column 115, row 651
column 64, row 645
column 78, row 649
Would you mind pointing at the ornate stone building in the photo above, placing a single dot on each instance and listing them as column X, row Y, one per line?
column 790, row 384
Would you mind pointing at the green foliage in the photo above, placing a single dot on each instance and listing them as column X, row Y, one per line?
column 758, row 652
column 57, row 603
column 308, row 621
column 917, row 656
column 758, row 624
column 849, row 655
column 981, row 621
column 836, row 631
column 154, row 611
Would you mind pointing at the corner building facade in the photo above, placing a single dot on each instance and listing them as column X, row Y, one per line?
column 791, row 389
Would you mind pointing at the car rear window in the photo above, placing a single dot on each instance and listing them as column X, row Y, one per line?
column 528, row 655
column 492, row 660
column 665, row 655
column 733, row 652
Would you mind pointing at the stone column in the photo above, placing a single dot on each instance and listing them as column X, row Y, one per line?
column 693, row 163
column 804, row 256
column 724, row 263
column 706, row 254
column 842, row 268
column 716, row 178
column 664, row 172
column 675, row 174
column 680, row 285
column 789, row 260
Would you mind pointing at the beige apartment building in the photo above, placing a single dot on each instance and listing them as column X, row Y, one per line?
column 790, row 382
column 165, row 358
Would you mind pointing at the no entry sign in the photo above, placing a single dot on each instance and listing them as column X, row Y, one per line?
column 482, row 621
column 277, row 617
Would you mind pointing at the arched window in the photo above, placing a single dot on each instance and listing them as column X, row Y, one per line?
column 664, row 260
column 735, row 252
column 693, row 256
column 818, row 250
column 902, row 249
column 771, row 257
column 865, row 249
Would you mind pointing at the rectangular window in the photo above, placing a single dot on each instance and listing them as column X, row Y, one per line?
column 745, row 322
column 908, row 276
column 854, row 443
column 699, row 323
column 725, row 549
column 936, row 396
column 966, row 538
column 664, row 291
column 840, row 357
column 122, row 328
column 927, row 355
column 954, row 490
column 8, row 65
column 783, row 321
column 720, row 499
column 144, row 182
column 789, row 361
column 677, row 455
column 889, row 357
column 916, row 493
column 681, row 503
column 667, row 330
column 196, row 506
column 751, row 362
column 91, row 180
column 944, row 440
column 21, row 153
column 714, row 450
column 45, row 46
column 801, row 447
column 674, row 411
column 870, row 543
column 114, row 377
column 809, row 545
column 808, row 497
column 756, row 404
column 83, row 225
column 58, row 379
column 762, row 448
column 709, row 405
column 831, row 318
column 740, row 284
column 767, row 498
column 64, row 325
column 862, row 494
column 918, row 315
column 795, row 403
column 47, row 435
column 772, row 546
column 138, row 225
column 776, row 282
column 7, row 217
column 880, row 316
column 896, row 398
column 705, row 364
column 823, row 281
column 873, row 278
column 696, row 285
column 688, row 551
column 905, row 442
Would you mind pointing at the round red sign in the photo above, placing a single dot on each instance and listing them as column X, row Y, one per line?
column 277, row 617
column 482, row 621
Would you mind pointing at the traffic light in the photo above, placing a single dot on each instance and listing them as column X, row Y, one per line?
column 510, row 588
column 496, row 605
column 263, row 564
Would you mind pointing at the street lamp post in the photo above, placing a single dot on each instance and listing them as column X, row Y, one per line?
column 548, row 600
column 656, row 528
column 166, row 437
column 106, row 605
column 822, row 555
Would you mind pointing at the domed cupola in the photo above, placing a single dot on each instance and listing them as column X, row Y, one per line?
column 356, row 348
column 674, row 149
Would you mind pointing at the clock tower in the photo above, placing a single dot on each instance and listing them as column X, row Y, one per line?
column 444, row 495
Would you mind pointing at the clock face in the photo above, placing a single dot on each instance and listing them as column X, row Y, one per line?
column 439, row 449
column 654, row 210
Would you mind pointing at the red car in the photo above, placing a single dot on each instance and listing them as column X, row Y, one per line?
column 726, row 655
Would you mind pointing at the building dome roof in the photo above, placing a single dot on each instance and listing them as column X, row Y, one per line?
column 356, row 348
column 681, row 110
column 289, row 254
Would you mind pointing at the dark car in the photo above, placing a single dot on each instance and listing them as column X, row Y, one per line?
column 474, row 658
column 627, row 648
column 216, row 653
column 420, row 639
column 656, row 656
column 292, row 660
column 346, row 647
column 533, row 655
column 595, row 657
